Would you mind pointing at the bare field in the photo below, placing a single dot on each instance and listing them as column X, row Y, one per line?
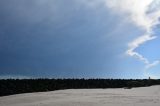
column 144, row 96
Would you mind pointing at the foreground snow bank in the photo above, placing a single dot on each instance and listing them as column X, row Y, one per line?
column 144, row 96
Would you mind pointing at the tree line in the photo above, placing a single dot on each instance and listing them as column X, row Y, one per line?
column 17, row 86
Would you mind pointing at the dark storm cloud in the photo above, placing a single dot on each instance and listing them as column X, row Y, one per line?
column 57, row 38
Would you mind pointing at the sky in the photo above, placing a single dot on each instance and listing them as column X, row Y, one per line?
column 79, row 39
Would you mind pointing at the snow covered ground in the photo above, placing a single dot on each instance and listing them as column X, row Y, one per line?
column 144, row 96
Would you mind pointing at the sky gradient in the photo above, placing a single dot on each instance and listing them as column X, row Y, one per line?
column 79, row 38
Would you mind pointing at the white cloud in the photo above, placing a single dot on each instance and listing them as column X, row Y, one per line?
column 143, row 13
column 135, row 44
column 134, row 9
column 152, row 64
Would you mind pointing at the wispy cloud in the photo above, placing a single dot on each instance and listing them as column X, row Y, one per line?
column 143, row 13
column 135, row 44
column 152, row 64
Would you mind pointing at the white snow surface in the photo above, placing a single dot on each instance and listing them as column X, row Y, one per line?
column 143, row 96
